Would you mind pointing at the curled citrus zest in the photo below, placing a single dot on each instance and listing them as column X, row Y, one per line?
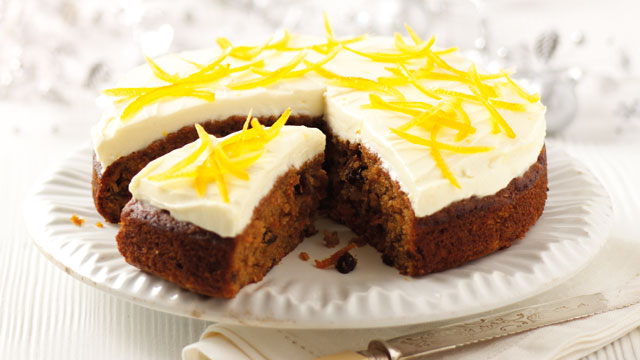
column 159, row 72
column 316, row 65
column 532, row 98
column 498, row 120
column 268, row 79
column 462, row 114
column 245, row 126
column 437, row 157
column 445, row 51
column 358, row 83
column 153, row 96
column 376, row 102
column 443, row 64
column 416, row 39
column 327, row 26
column 471, row 98
column 224, row 43
column 414, row 82
column 309, row 66
column 205, row 141
column 508, row 105
column 444, row 146
column 403, row 55
column 228, row 157
column 421, row 118
column 196, row 64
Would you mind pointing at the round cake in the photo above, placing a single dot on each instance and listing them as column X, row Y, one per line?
column 432, row 160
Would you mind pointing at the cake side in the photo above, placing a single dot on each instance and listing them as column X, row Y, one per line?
column 110, row 186
column 204, row 262
column 472, row 228
column 363, row 196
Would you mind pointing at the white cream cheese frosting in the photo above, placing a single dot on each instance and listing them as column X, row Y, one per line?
column 291, row 148
column 347, row 116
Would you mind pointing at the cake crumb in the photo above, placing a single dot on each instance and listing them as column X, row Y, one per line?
column 333, row 259
column 331, row 238
column 310, row 230
column 346, row 263
column 76, row 220
column 99, row 224
column 303, row 256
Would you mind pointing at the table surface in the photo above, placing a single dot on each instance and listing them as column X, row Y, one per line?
column 45, row 313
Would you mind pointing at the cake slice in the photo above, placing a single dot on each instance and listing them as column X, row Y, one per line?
column 217, row 214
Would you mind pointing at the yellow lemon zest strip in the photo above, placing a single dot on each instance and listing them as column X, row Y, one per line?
column 393, row 80
column 243, row 161
column 475, row 80
column 316, row 65
column 269, row 79
column 401, row 45
column 443, row 64
column 365, row 85
column 281, row 43
column 224, row 43
column 444, row 146
column 421, row 118
column 532, row 98
column 416, row 39
column 196, row 64
column 327, row 26
column 459, row 110
column 498, row 120
column 497, row 103
column 249, row 52
column 258, row 128
column 480, row 91
column 256, row 64
column 423, row 50
column 420, row 88
column 274, row 130
column 245, row 126
column 205, row 141
column 309, row 66
column 357, row 82
column 227, row 166
column 159, row 72
column 445, row 51
column 150, row 97
column 437, row 157
column 209, row 67
column 232, row 155
column 376, row 102
column 508, row 105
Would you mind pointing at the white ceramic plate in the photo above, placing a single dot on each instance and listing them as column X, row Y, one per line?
column 294, row 294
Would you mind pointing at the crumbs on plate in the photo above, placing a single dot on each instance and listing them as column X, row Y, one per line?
column 76, row 220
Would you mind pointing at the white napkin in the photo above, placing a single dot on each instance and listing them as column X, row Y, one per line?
column 617, row 168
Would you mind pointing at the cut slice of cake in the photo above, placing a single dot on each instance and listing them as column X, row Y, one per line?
column 217, row 214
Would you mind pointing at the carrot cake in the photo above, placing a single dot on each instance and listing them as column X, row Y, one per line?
column 433, row 160
column 217, row 214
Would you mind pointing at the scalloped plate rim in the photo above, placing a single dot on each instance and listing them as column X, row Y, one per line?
column 37, row 228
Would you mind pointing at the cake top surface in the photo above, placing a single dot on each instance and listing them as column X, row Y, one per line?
column 444, row 129
column 216, row 183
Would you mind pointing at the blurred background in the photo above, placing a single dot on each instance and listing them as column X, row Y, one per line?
column 582, row 56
